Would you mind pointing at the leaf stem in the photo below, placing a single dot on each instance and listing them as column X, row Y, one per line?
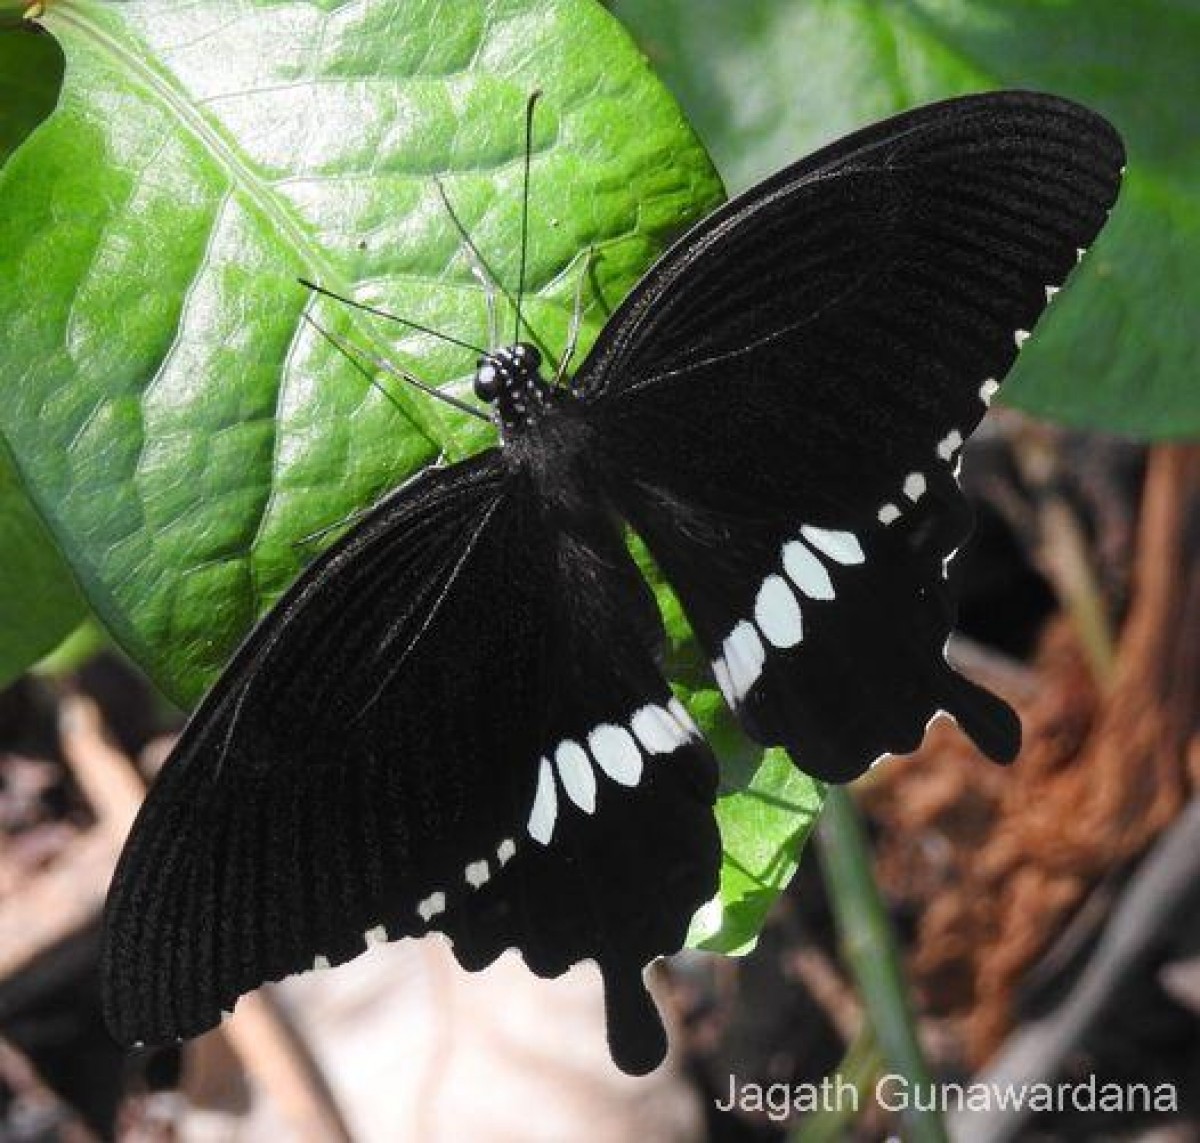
column 869, row 947
column 859, row 1069
column 1065, row 554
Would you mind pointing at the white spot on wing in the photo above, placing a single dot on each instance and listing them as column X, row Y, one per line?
column 841, row 547
column 657, row 731
column 888, row 514
column 806, row 571
column 949, row 444
column 476, row 874
column 616, row 753
column 680, row 714
column 576, row 774
column 545, row 806
column 1020, row 336
column 777, row 613
column 1050, row 292
column 721, row 672
column 376, row 936
column 914, row 485
column 320, row 961
column 505, row 851
column 745, row 655
column 434, row 904
column 988, row 390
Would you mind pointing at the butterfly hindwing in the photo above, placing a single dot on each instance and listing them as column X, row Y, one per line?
column 782, row 401
column 827, row 641
column 452, row 721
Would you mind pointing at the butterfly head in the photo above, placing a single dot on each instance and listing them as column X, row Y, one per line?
column 510, row 379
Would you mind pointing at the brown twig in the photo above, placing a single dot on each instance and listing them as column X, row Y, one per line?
column 1167, row 883
column 1076, row 812
column 66, row 896
column 277, row 1057
column 817, row 972
column 993, row 669
column 21, row 1078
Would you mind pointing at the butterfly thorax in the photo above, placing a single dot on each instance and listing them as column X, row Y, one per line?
column 510, row 379
column 545, row 434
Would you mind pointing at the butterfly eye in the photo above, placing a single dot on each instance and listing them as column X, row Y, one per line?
column 487, row 384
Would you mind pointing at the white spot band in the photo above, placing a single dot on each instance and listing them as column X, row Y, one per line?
column 545, row 806
column 476, row 874
column 616, row 753
column 657, row 731
column 914, row 486
column 744, row 655
column 434, row 904
column 777, row 613
column 806, row 571
column 576, row 774
column 841, row 547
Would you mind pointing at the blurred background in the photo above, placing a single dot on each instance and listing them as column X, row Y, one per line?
column 1047, row 916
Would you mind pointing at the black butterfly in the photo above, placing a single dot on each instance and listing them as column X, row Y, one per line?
column 454, row 719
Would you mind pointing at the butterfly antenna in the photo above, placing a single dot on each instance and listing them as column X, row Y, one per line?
column 589, row 259
column 480, row 270
column 356, row 356
column 486, row 276
column 320, row 533
column 308, row 285
column 529, row 106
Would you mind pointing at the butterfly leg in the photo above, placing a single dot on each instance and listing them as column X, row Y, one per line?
column 589, row 260
column 356, row 355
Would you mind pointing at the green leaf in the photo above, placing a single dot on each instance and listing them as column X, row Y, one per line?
column 31, row 69
column 766, row 811
column 173, row 419
column 39, row 603
column 766, row 81
column 82, row 645
column 178, row 425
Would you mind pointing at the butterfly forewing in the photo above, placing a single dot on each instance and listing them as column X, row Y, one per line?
column 453, row 721
column 807, row 363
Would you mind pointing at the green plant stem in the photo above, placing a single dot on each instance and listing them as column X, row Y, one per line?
column 869, row 947
column 1064, row 552
column 1078, row 588
column 859, row 1068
